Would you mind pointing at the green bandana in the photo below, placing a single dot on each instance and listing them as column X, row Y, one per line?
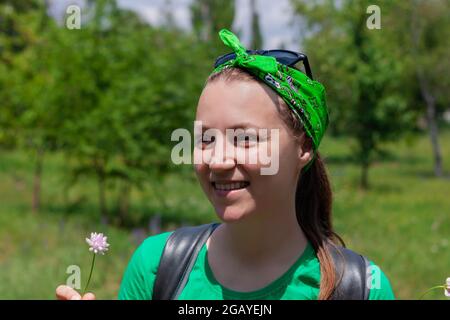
column 305, row 97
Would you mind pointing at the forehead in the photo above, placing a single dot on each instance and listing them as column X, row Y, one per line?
column 225, row 104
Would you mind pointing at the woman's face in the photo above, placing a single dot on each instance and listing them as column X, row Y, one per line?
column 232, row 182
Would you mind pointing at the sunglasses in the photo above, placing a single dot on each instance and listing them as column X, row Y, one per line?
column 286, row 57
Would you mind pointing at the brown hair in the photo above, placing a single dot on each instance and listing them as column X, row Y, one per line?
column 313, row 199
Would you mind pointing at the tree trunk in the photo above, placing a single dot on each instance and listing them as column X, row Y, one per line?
column 37, row 179
column 102, row 197
column 431, row 123
column 364, row 182
column 124, row 202
column 426, row 93
column 154, row 224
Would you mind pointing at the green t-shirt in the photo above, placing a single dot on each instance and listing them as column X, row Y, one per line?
column 300, row 282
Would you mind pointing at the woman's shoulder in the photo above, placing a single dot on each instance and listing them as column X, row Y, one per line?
column 376, row 279
column 152, row 247
column 137, row 282
column 155, row 241
column 149, row 251
column 379, row 284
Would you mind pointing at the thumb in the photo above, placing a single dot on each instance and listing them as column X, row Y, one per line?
column 89, row 296
column 64, row 292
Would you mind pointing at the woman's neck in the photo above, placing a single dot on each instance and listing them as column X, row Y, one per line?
column 259, row 239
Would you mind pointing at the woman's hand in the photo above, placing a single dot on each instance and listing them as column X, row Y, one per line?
column 67, row 293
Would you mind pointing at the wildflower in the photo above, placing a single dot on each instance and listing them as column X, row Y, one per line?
column 446, row 288
column 97, row 244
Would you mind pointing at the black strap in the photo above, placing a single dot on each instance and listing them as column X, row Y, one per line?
column 178, row 258
column 351, row 270
column 184, row 244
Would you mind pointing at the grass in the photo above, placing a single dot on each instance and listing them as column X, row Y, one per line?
column 402, row 222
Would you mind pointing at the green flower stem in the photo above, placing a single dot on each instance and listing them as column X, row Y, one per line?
column 436, row 287
column 90, row 274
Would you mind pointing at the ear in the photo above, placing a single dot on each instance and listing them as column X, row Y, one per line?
column 305, row 150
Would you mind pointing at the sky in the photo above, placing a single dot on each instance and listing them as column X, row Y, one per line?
column 274, row 16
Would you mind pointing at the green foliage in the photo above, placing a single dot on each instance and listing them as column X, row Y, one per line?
column 368, row 74
column 422, row 45
column 20, row 23
column 208, row 18
column 108, row 95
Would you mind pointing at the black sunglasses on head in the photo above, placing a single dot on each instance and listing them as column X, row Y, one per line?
column 286, row 57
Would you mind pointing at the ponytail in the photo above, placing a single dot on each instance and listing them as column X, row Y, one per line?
column 313, row 205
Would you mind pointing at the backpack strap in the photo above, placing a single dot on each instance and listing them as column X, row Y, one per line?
column 351, row 271
column 184, row 244
column 178, row 258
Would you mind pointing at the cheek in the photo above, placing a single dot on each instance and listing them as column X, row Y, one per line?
column 201, row 156
column 288, row 171
column 201, row 170
column 257, row 156
column 284, row 176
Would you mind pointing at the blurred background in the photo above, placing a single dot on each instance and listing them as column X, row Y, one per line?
column 87, row 111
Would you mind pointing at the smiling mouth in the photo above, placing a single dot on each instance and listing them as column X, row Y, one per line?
column 228, row 186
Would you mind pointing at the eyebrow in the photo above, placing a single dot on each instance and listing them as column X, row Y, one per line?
column 243, row 125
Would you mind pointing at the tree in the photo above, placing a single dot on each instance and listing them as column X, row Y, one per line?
column 28, row 118
column 168, row 14
column 364, row 78
column 256, row 38
column 107, row 96
column 129, row 85
column 14, row 38
column 208, row 18
column 430, row 62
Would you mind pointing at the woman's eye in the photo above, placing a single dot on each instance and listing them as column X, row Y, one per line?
column 245, row 140
column 205, row 140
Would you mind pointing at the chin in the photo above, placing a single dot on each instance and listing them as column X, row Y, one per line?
column 230, row 214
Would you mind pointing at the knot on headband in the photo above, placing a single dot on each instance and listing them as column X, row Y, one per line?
column 243, row 59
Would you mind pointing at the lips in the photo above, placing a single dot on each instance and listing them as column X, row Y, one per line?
column 229, row 185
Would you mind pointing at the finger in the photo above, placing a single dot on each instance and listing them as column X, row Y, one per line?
column 89, row 296
column 67, row 293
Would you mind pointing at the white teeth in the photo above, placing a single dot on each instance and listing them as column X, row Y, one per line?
column 231, row 186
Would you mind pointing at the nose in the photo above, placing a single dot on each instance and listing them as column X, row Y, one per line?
column 224, row 160
column 218, row 165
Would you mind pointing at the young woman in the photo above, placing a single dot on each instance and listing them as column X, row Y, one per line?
column 275, row 232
